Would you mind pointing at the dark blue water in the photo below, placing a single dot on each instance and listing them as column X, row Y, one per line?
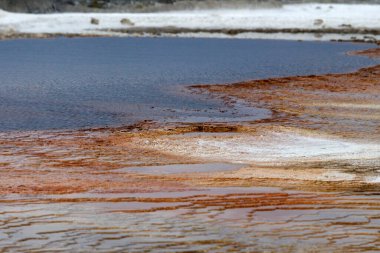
column 75, row 83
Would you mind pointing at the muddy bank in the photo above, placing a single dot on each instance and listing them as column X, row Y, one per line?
column 339, row 35
column 357, row 34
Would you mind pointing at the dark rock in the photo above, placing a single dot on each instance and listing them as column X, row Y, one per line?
column 126, row 21
column 94, row 21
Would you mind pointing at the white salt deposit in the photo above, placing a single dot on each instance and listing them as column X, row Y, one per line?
column 271, row 147
column 318, row 17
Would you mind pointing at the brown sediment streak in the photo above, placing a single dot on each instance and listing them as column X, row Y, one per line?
column 340, row 221
column 373, row 52
column 357, row 34
column 178, row 30
column 74, row 162
column 62, row 163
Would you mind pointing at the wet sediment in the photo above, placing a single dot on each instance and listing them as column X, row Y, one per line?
column 307, row 180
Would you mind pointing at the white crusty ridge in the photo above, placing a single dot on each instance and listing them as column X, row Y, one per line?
column 316, row 17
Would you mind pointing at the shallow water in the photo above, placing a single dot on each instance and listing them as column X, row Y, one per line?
column 85, row 82
column 182, row 168
column 215, row 220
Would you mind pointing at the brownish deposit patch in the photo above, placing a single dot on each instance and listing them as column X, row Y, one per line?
column 345, row 105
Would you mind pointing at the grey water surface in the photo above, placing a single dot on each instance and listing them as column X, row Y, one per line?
column 76, row 83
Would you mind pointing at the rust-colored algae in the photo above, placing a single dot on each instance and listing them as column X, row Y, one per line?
column 342, row 104
column 287, row 196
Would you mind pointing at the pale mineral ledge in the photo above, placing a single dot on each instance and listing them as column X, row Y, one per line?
column 292, row 21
